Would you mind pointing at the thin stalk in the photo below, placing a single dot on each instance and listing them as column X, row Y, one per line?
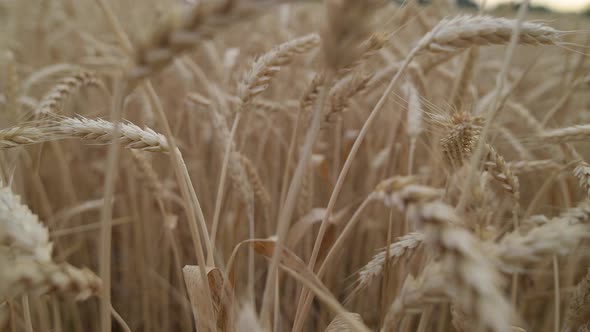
column 106, row 213
column 27, row 313
column 220, row 188
column 287, row 211
column 193, row 206
column 120, row 320
column 424, row 318
column 346, row 169
column 183, row 177
column 411, row 155
column 290, row 157
column 500, row 82
column 556, row 285
column 305, row 302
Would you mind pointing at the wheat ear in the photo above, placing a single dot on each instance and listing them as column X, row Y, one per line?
column 454, row 34
column 414, row 293
column 305, row 199
column 580, row 214
column 578, row 308
column 341, row 93
column 201, row 22
column 403, row 247
column 533, row 166
column 368, row 48
column 55, row 99
column 473, row 282
column 22, row 135
column 258, row 78
column 260, row 191
column 553, row 238
column 130, row 135
column 460, row 138
column 582, row 172
column 21, row 229
column 497, row 167
column 341, row 324
column 147, row 172
column 30, row 275
column 576, row 133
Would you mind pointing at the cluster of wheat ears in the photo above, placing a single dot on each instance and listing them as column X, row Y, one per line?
column 265, row 165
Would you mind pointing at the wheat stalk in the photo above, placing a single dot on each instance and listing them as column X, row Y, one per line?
column 236, row 169
column 460, row 85
column 11, row 85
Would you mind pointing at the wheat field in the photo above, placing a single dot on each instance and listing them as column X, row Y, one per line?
column 268, row 165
